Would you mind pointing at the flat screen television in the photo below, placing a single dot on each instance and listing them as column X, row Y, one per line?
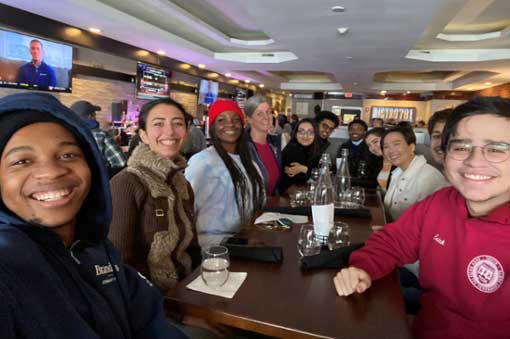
column 152, row 81
column 33, row 63
column 208, row 92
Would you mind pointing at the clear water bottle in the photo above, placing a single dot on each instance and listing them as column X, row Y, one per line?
column 323, row 208
column 311, row 183
column 343, row 176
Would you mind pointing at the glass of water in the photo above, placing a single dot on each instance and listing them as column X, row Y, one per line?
column 308, row 243
column 358, row 196
column 215, row 264
column 339, row 236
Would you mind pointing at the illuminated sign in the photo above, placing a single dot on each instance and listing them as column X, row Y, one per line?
column 394, row 113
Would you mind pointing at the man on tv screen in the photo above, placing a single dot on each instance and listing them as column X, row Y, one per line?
column 37, row 72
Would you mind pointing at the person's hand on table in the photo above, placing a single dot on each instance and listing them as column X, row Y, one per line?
column 217, row 329
column 294, row 169
column 350, row 280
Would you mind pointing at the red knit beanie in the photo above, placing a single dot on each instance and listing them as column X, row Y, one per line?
column 222, row 105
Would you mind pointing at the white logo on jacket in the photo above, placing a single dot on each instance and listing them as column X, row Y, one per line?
column 100, row 270
column 485, row 273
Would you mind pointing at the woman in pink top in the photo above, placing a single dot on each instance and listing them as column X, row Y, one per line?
column 265, row 147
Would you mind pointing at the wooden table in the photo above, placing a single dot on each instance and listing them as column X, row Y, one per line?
column 282, row 301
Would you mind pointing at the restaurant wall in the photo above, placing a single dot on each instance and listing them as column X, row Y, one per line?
column 501, row 90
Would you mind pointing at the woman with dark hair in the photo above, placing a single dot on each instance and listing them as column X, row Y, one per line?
column 414, row 178
column 301, row 155
column 373, row 141
column 226, row 181
column 265, row 148
column 152, row 222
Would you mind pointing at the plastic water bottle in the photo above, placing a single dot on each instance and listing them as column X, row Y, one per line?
column 343, row 176
column 323, row 208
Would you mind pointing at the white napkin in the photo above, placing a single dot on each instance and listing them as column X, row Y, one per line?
column 271, row 216
column 235, row 280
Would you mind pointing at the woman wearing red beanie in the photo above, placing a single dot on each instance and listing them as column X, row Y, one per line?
column 227, row 183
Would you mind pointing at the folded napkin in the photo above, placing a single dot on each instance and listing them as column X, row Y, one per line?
column 235, row 280
column 306, row 210
column 337, row 258
column 271, row 254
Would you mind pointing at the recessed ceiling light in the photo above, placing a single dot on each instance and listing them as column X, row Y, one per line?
column 488, row 83
column 290, row 94
column 261, row 85
column 342, row 30
column 95, row 30
column 337, row 9
column 228, row 75
column 161, row 52
column 383, row 92
column 201, row 66
column 247, row 81
column 408, row 92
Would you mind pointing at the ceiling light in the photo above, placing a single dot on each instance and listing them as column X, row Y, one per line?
column 247, row 81
column 342, row 30
column 408, row 92
column 142, row 53
column 488, row 83
column 184, row 66
column 470, row 88
column 452, row 93
column 95, row 30
column 337, row 9
column 383, row 92
column 212, row 75
column 73, row 32
column 290, row 94
column 160, row 52
column 228, row 75
column 261, row 85
column 201, row 66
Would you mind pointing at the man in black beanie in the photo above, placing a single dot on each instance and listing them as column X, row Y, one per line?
column 60, row 277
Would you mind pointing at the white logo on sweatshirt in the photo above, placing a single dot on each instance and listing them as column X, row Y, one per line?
column 100, row 270
column 437, row 238
column 485, row 273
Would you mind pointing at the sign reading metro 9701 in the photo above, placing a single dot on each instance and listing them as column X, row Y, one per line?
column 394, row 113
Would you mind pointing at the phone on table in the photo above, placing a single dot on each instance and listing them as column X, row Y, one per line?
column 284, row 222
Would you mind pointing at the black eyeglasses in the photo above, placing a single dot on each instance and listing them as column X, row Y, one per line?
column 302, row 131
column 493, row 152
column 327, row 127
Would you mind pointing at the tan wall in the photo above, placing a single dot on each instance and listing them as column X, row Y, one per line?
column 103, row 92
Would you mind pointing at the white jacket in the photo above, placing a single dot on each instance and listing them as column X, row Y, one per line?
column 412, row 185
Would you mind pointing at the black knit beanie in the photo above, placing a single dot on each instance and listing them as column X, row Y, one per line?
column 13, row 121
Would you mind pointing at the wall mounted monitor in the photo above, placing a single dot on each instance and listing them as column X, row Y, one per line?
column 152, row 82
column 32, row 63
column 208, row 92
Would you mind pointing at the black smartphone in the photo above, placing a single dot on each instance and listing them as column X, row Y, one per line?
column 235, row 241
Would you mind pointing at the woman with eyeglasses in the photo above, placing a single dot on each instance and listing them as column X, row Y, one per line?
column 227, row 183
column 460, row 234
column 301, row 154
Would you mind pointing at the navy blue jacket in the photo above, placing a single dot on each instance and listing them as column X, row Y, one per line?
column 85, row 291
column 42, row 76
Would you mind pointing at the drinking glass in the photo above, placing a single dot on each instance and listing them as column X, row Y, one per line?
column 215, row 264
column 298, row 198
column 358, row 196
column 308, row 244
column 339, row 236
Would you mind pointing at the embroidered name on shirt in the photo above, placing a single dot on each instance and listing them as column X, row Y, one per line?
column 437, row 238
column 100, row 270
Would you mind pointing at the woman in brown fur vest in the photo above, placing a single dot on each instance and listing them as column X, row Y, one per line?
column 152, row 223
